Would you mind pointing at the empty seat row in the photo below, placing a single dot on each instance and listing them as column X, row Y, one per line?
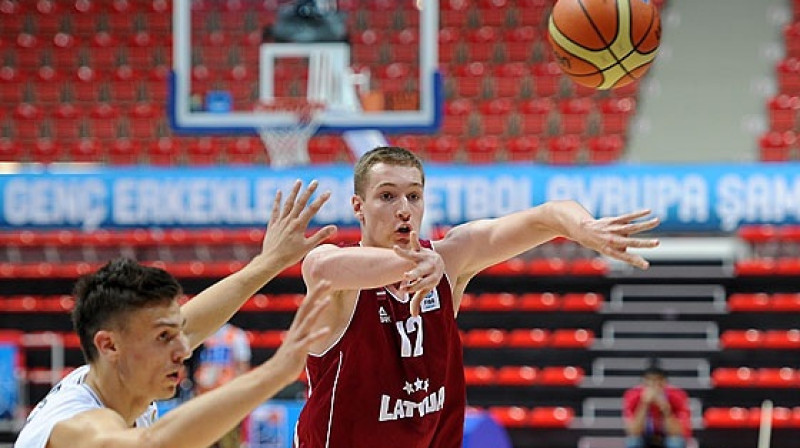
column 764, row 303
column 522, row 376
column 742, row 417
column 782, row 377
column 532, row 302
column 752, row 339
column 527, row 338
column 538, row 417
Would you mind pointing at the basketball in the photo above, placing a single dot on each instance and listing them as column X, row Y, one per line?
column 604, row 44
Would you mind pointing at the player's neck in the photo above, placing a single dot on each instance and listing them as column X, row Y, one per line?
column 112, row 392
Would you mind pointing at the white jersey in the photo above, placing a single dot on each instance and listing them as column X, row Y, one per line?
column 70, row 397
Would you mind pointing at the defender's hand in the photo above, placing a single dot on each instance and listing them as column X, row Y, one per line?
column 611, row 236
column 285, row 238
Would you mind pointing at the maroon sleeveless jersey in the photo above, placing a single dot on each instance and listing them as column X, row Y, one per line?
column 391, row 380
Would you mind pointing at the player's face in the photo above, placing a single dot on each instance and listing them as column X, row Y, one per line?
column 392, row 205
column 153, row 348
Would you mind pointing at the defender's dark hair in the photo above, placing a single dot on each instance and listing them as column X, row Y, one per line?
column 654, row 368
column 390, row 155
column 103, row 298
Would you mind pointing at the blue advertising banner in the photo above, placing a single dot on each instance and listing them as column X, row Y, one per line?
column 695, row 198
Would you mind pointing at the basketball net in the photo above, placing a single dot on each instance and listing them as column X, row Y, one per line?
column 288, row 145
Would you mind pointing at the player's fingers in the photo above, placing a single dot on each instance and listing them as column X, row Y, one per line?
column 321, row 235
column 415, row 241
column 314, row 336
column 637, row 242
column 632, row 259
column 317, row 292
column 309, row 212
column 300, row 204
column 416, row 302
column 628, row 217
column 405, row 253
column 639, row 227
column 276, row 206
column 287, row 206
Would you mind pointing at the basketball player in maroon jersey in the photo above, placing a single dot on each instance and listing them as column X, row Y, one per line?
column 390, row 372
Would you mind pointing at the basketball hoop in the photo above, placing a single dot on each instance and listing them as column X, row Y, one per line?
column 288, row 145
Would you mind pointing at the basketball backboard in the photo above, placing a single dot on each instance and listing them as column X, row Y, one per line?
column 383, row 76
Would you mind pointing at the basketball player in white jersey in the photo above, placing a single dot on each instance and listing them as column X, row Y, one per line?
column 135, row 337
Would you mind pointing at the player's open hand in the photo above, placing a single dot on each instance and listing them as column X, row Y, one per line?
column 611, row 236
column 291, row 355
column 426, row 274
column 285, row 239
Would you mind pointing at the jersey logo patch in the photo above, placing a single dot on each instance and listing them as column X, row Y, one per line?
column 430, row 302
column 385, row 319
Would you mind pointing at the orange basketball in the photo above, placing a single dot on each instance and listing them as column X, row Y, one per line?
column 604, row 43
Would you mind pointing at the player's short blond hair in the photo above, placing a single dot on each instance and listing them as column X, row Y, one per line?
column 390, row 155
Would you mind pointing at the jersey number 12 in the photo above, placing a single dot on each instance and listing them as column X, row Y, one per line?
column 410, row 326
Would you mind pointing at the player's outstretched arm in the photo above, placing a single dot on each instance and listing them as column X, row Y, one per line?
column 472, row 247
column 284, row 244
column 349, row 268
column 202, row 420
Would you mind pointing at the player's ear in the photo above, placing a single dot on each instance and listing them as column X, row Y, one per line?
column 106, row 344
column 358, row 207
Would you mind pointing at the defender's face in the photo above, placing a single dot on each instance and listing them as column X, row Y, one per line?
column 392, row 205
column 153, row 348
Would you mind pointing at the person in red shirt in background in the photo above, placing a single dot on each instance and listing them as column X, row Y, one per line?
column 656, row 413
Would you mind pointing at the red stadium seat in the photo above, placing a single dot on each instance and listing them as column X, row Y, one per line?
column 777, row 146
column 742, row 339
column 733, row 377
column 575, row 114
column 582, row 302
column 124, row 151
column 536, row 115
column 784, row 377
column 164, row 151
column 86, row 150
column 479, row 375
column 782, row 112
column 451, row 48
column 10, row 151
column 755, row 267
column 789, row 303
column 495, row 115
column 496, row 302
column 482, row 43
column 539, row 302
column 782, row 339
column 510, row 416
column 561, row 376
column 444, row 148
column 564, row 149
column 493, row 12
column 516, row 376
column 519, row 43
column 485, row 338
column 533, row 12
column 484, row 149
column 547, row 267
column 605, row 148
column 244, row 150
column 405, row 46
column 456, row 116
column 45, row 150
column 551, row 417
column 470, row 79
column 367, row 46
column 546, row 79
column 572, row 338
column 717, row 417
column 510, row 79
column 749, row 302
column 203, row 151
column 615, row 114
column 520, row 149
column 528, row 338
column 454, row 13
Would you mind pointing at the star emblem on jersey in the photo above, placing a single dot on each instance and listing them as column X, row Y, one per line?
column 416, row 386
